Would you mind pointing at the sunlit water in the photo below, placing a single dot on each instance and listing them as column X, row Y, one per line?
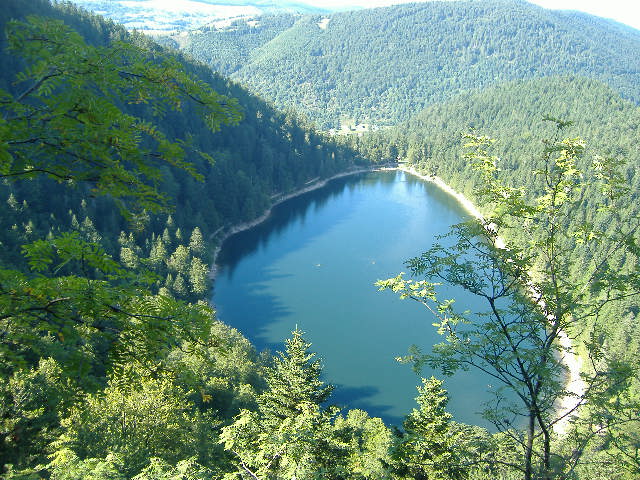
column 314, row 263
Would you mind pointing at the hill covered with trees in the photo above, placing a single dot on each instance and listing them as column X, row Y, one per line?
column 265, row 154
column 384, row 65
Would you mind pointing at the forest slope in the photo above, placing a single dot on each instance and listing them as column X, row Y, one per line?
column 267, row 153
column 383, row 65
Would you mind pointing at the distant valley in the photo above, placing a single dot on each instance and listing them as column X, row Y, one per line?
column 158, row 16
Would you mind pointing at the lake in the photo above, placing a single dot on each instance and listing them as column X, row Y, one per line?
column 313, row 264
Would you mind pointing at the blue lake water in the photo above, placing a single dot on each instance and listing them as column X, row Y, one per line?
column 313, row 264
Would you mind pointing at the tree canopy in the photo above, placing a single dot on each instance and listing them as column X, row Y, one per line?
column 66, row 121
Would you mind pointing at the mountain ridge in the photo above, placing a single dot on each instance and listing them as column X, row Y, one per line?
column 385, row 64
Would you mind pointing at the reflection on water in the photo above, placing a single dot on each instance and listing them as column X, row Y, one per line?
column 313, row 263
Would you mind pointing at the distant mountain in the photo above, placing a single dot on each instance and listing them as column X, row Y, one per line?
column 226, row 49
column 179, row 15
column 383, row 65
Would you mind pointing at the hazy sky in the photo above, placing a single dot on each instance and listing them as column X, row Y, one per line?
column 625, row 11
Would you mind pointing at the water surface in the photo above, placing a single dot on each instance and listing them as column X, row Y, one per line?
column 313, row 264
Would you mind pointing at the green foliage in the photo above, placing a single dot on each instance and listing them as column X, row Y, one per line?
column 368, row 442
column 196, row 242
column 428, row 446
column 184, row 470
column 294, row 380
column 72, row 317
column 279, row 438
column 152, row 418
column 67, row 466
column 31, row 402
column 224, row 377
column 67, row 123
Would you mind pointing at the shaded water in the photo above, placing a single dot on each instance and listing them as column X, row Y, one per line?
column 313, row 263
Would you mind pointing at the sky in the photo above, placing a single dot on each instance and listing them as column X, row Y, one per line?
column 624, row 11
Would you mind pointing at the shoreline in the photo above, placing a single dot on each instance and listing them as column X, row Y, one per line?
column 573, row 382
column 239, row 227
column 467, row 204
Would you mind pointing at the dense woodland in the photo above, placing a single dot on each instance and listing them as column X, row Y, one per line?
column 383, row 65
column 123, row 165
column 233, row 45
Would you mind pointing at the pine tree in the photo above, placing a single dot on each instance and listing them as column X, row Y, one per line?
column 179, row 260
column 290, row 435
column 196, row 242
column 179, row 285
column 198, row 276
column 427, row 449
column 293, row 381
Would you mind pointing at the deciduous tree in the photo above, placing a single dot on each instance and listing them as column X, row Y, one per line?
column 66, row 122
column 536, row 291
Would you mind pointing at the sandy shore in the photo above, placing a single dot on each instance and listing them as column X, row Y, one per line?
column 467, row 204
column 574, row 384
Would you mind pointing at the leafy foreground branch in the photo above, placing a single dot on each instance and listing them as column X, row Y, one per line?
column 66, row 118
column 555, row 274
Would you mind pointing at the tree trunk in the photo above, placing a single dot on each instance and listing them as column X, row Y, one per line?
column 528, row 453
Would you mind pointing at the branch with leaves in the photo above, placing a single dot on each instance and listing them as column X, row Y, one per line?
column 530, row 289
column 70, row 120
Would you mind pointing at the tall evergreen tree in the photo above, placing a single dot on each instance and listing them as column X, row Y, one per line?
column 427, row 450
column 290, row 434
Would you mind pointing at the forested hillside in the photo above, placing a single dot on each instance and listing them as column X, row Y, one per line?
column 106, row 372
column 266, row 154
column 228, row 49
column 383, row 65
column 117, row 165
